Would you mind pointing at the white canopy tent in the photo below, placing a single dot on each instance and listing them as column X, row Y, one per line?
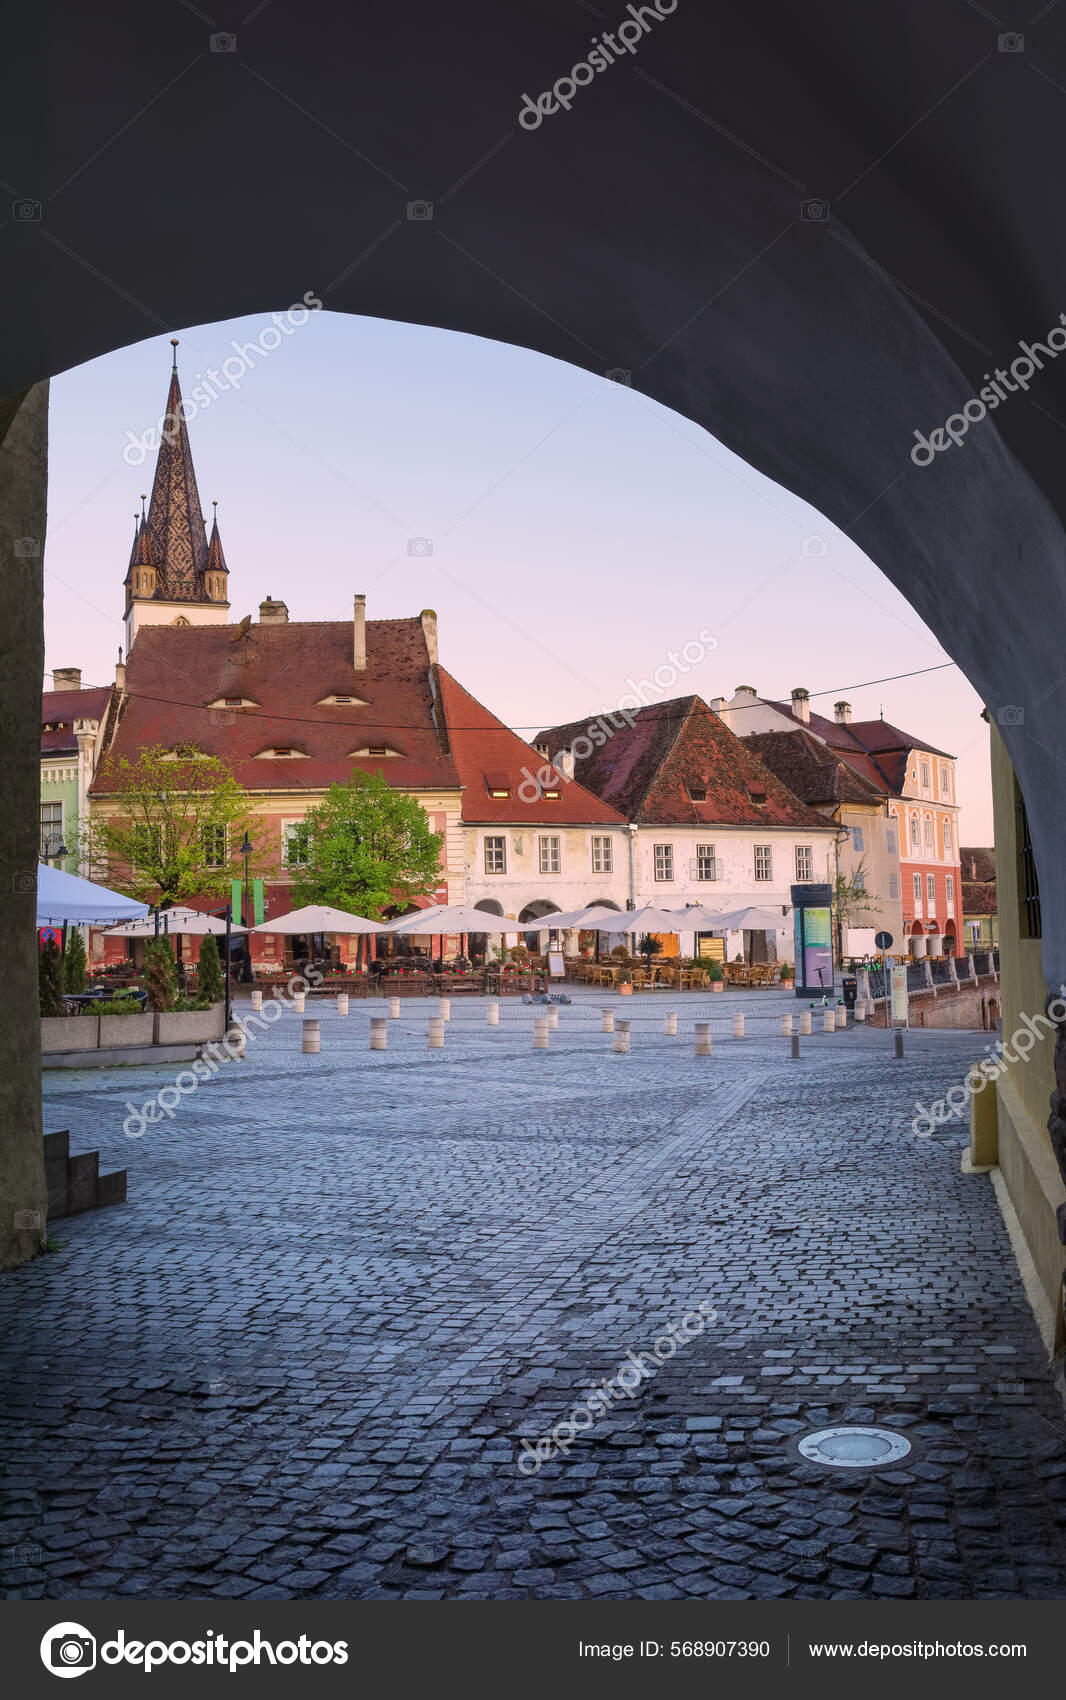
column 172, row 921
column 67, row 898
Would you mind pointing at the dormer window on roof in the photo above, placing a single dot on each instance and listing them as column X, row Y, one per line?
column 497, row 784
column 234, row 702
column 375, row 752
column 550, row 793
column 282, row 752
column 757, row 796
column 339, row 699
column 697, row 790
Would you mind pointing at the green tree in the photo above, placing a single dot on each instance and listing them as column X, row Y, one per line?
column 851, row 901
column 74, row 964
column 165, row 828
column 160, row 974
column 50, row 979
column 209, row 987
column 367, row 846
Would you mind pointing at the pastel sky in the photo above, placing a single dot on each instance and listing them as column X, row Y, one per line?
column 578, row 530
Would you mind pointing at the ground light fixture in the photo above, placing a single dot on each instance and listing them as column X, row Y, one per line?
column 854, row 1448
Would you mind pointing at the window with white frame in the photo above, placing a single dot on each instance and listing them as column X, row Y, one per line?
column 916, row 833
column 147, row 845
column 930, row 891
column 928, row 834
column 858, row 879
column 602, row 854
column 857, row 842
column 949, row 893
column 296, row 843
column 495, row 855
column 549, row 853
column 764, row 862
column 51, row 828
column 917, row 894
column 947, row 838
column 706, row 862
column 926, row 776
column 213, row 839
column 804, row 862
column 664, row 861
column 945, row 784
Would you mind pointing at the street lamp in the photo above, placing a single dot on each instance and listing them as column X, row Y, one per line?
column 54, row 849
column 246, row 851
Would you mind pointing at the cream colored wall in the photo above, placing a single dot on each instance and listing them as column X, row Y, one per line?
column 1024, row 1153
column 880, row 865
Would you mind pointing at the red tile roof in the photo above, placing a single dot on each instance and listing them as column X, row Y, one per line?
column 489, row 756
column 875, row 748
column 64, row 707
column 978, row 863
column 979, row 897
column 812, row 772
column 647, row 769
column 174, row 672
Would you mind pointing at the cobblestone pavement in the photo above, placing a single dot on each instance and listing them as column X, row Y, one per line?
column 298, row 1361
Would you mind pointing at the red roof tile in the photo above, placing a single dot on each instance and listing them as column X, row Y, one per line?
column 875, row 748
column 647, row 769
column 490, row 756
column 63, row 708
column 173, row 673
column 812, row 772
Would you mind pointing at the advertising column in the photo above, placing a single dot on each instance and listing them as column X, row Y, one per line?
column 813, row 922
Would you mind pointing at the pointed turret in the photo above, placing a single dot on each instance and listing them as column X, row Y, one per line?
column 216, row 571
column 176, row 532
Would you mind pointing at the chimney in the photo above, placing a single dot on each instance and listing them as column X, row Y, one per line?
column 359, row 634
column 66, row 679
column 429, row 631
column 565, row 763
column 801, row 704
column 746, row 691
column 842, row 713
column 273, row 613
column 120, row 673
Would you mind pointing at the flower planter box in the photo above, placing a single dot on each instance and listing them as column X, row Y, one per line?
column 120, row 1030
column 717, row 985
column 188, row 1026
column 69, row 1033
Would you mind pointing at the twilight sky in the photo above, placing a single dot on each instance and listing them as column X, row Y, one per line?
column 578, row 531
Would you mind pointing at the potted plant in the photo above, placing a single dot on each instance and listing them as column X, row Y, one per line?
column 716, row 975
column 624, row 982
column 788, row 973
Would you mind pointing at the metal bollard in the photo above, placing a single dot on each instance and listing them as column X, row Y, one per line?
column 342, row 1003
column 540, row 1033
column 394, row 1008
column 738, row 1025
column 444, row 1009
column 435, row 1034
column 805, row 1020
column 795, row 1049
column 899, row 1042
column 829, row 1020
column 703, row 1039
column 786, row 1025
column 379, row 1033
column 312, row 1036
column 257, row 999
column 606, row 1020
column 670, row 1023
column 492, row 1015
column 299, row 1001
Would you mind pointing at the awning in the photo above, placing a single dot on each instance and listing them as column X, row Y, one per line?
column 67, row 897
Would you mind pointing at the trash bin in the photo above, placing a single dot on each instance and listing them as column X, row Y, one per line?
column 850, row 988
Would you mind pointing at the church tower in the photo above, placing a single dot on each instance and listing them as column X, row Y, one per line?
column 176, row 576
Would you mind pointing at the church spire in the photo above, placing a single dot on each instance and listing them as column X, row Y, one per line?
column 175, row 524
column 215, row 579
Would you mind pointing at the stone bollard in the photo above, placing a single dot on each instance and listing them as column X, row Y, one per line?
column 342, row 1003
column 860, row 1011
column 703, row 1039
column 444, row 1009
column 394, row 1008
column 829, row 1020
column 670, row 1024
column 805, row 1021
column 621, row 1036
column 606, row 1020
column 257, row 999
column 540, row 1033
column 553, row 1017
column 435, row 1036
column 312, row 1036
column 379, row 1033
column 492, row 1015
column 786, row 1025
column 238, row 1038
column 299, row 1002
column 738, row 1025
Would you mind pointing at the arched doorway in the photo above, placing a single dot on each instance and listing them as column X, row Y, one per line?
column 536, row 911
column 477, row 944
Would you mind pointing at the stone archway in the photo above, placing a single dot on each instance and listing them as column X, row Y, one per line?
column 541, row 909
column 477, row 943
column 715, row 224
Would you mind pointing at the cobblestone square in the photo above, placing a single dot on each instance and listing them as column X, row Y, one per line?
column 300, row 1360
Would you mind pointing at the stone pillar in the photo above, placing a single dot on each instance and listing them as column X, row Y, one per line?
column 23, row 495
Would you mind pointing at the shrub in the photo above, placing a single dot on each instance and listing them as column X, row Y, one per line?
column 715, row 970
column 74, row 965
column 50, row 979
column 119, row 1006
column 160, row 976
column 620, row 952
column 209, row 980
column 787, row 971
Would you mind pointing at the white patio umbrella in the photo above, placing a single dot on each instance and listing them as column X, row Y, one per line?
column 453, row 918
column 63, row 897
column 579, row 918
column 751, row 919
column 649, row 919
column 319, row 918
